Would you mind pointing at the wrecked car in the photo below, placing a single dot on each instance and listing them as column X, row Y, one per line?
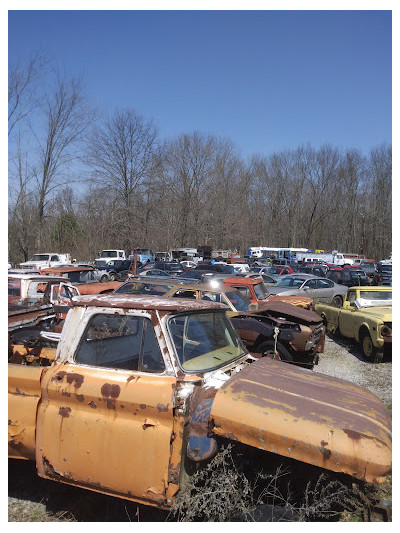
column 276, row 329
column 167, row 383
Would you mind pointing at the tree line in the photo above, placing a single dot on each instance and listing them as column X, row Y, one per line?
column 81, row 181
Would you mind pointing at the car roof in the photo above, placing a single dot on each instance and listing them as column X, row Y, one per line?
column 188, row 286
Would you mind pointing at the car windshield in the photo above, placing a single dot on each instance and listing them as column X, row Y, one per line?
column 272, row 270
column 204, row 341
column 374, row 298
column 290, row 282
column 138, row 287
column 239, row 301
column 386, row 268
column 40, row 257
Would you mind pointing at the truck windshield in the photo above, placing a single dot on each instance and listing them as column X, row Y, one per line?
column 109, row 253
column 204, row 341
column 374, row 299
column 239, row 301
column 261, row 291
column 40, row 257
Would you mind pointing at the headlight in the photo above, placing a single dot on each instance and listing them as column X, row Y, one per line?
column 386, row 330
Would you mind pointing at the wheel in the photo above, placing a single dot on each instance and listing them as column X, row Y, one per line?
column 267, row 348
column 370, row 352
column 337, row 301
column 112, row 276
column 104, row 278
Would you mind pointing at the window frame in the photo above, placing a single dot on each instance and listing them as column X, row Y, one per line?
column 146, row 322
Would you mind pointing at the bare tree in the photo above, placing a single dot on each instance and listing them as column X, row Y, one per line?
column 22, row 87
column 120, row 153
column 67, row 118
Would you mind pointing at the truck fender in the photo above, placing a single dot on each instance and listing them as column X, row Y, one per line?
column 266, row 330
column 200, row 446
column 358, row 333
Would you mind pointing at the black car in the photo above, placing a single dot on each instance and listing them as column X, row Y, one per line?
column 114, row 268
column 383, row 274
column 350, row 277
column 172, row 267
column 315, row 270
column 220, row 268
column 369, row 269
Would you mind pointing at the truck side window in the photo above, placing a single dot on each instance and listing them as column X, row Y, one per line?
column 351, row 298
column 152, row 357
column 111, row 341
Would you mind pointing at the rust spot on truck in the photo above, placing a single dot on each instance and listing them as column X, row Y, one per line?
column 64, row 411
column 143, row 406
column 110, row 390
column 76, row 379
column 163, row 408
column 79, row 397
column 92, row 405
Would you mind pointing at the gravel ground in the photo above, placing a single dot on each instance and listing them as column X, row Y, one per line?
column 32, row 499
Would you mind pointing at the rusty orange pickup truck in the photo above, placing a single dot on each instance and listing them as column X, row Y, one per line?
column 138, row 392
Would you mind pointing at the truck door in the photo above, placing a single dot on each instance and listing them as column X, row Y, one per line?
column 347, row 316
column 106, row 419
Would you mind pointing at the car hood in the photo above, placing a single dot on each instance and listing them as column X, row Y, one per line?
column 289, row 311
column 307, row 416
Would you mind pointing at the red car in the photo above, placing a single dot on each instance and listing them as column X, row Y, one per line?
column 278, row 270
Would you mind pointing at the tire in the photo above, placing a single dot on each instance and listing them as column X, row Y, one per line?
column 267, row 348
column 337, row 301
column 113, row 276
column 370, row 352
column 104, row 278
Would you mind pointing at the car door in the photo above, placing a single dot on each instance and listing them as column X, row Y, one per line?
column 325, row 289
column 310, row 288
column 106, row 416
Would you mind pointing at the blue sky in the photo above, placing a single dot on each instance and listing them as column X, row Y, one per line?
column 267, row 80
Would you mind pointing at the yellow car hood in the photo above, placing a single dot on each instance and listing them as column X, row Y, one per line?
column 307, row 416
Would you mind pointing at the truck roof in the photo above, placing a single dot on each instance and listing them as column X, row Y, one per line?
column 131, row 301
column 242, row 281
column 65, row 269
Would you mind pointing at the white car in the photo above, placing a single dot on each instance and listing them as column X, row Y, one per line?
column 241, row 267
column 188, row 264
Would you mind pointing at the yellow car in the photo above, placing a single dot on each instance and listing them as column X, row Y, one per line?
column 366, row 316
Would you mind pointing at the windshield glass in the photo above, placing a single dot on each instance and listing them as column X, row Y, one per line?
column 239, row 301
column 204, row 341
column 136, row 287
column 40, row 257
column 272, row 270
column 109, row 253
column 142, row 251
column 374, row 299
column 290, row 282
column 261, row 291
column 386, row 268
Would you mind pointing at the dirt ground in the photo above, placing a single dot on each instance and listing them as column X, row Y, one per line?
column 32, row 499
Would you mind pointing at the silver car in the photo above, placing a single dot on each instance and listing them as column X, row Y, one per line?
column 321, row 289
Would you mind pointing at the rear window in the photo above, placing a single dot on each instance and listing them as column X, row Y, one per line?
column 14, row 287
column 136, row 287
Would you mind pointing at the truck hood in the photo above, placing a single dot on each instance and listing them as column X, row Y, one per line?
column 307, row 416
column 383, row 313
